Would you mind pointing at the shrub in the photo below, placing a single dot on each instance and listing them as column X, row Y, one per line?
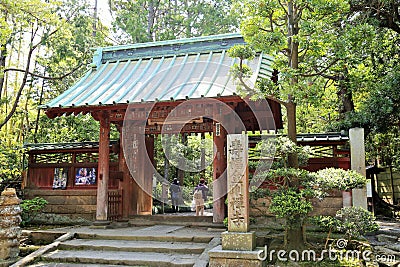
column 355, row 221
column 31, row 208
column 282, row 176
column 290, row 205
column 332, row 178
column 280, row 148
column 225, row 222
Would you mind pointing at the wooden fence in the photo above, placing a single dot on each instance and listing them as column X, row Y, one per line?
column 115, row 205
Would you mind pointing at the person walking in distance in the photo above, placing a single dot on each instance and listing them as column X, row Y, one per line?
column 200, row 196
column 175, row 190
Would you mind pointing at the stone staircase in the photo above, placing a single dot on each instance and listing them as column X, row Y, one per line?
column 187, row 220
column 158, row 245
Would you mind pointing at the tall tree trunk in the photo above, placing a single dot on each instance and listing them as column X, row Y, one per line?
column 35, row 132
column 94, row 19
column 294, row 233
column 346, row 98
column 344, row 94
column 188, row 28
column 23, row 82
column 150, row 21
column 3, row 57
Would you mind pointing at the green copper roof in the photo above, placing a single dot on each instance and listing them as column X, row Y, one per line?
column 160, row 71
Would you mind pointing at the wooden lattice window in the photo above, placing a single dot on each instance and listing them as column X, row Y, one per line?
column 53, row 158
column 87, row 157
column 321, row 152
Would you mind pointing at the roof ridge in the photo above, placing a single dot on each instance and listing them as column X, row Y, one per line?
column 169, row 48
column 172, row 42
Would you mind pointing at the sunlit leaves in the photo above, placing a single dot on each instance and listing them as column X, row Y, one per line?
column 146, row 20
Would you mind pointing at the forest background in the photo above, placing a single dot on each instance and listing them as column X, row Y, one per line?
column 348, row 71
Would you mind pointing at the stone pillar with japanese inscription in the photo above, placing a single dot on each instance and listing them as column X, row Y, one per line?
column 238, row 243
column 238, row 236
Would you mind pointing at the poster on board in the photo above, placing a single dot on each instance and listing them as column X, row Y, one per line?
column 85, row 176
column 60, row 178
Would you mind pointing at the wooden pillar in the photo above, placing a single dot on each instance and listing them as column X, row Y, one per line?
column 181, row 164
column 203, row 155
column 166, row 157
column 219, row 173
column 142, row 173
column 103, row 168
column 126, row 184
column 148, row 166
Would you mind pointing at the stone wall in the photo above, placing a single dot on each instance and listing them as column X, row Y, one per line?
column 75, row 204
column 328, row 206
column 9, row 224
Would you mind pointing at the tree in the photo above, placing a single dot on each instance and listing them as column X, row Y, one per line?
column 149, row 20
column 43, row 48
column 305, row 37
column 385, row 14
column 376, row 77
column 67, row 55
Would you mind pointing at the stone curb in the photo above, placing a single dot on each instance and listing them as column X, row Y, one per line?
column 38, row 253
column 203, row 259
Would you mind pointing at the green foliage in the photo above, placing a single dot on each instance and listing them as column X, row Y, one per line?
column 10, row 162
column 260, row 193
column 242, row 52
column 225, row 222
column 32, row 208
column 240, row 71
column 385, row 146
column 281, row 177
column 334, row 178
column 67, row 129
column 143, row 20
column 355, row 221
column 325, row 222
column 290, row 205
column 184, row 154
column 280, row 148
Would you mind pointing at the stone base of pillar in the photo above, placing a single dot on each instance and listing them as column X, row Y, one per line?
column 238, row 241
column 100, row 225
column 359, row 197
column 220, row 257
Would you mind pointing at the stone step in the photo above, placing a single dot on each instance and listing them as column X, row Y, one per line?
column 174, row 218
column 120, row 258
column 159, row 245
column 133, row 246
column 147, row 220
column 161, row 233
column 148, row 237
column 57, row 264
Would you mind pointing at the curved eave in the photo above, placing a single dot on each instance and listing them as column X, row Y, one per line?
column 53, row 112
